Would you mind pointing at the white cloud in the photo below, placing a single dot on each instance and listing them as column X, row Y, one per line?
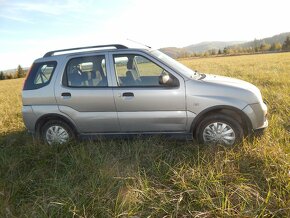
column 15, row 18
column 53, row 7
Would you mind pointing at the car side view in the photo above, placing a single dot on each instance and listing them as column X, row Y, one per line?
column 116, row 90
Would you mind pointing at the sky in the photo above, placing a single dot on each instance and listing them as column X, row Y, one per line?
column 30, row 28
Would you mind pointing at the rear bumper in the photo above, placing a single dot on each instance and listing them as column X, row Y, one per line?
column 29, row 118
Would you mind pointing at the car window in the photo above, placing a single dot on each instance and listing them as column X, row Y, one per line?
column 43, row 74
column 40, row 75
column 136, row 70
column 87, row 72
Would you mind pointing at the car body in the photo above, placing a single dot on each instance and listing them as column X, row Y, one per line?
column 115, row 90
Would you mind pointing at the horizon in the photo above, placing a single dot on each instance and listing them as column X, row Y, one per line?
column 30, row 28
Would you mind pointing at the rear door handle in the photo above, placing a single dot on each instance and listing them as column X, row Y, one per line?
column 65, row 94
column 128, row 94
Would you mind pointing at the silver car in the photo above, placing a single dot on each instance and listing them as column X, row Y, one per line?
column 115, row 90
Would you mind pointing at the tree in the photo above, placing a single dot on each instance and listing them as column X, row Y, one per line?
column 212, row 52
column 265, row 46
column 276, row 46
column 9, row 76
column 220, row 52
column 226, row 50
column 250, row 50
column 286, row 44
column 19, row 72
column 2, row 76
column 256, row 45
column 194, row 54
column 184, row 54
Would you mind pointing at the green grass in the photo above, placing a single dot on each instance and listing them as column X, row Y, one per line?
column 153, row 177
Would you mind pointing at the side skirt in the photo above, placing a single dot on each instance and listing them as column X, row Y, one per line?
column 170, row 135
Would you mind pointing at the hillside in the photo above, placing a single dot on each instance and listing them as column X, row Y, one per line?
column 216, row 45
column 173, row 52
column 205, row 46
column 269, row 40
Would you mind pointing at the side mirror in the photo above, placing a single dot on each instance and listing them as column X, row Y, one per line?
column 166, row 80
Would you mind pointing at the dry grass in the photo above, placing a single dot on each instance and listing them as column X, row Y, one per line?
column 153, row 177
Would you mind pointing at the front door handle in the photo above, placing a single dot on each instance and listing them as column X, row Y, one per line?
column 128, row 94
column 66, row 94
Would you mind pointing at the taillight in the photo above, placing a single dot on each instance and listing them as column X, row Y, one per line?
column 27, row 75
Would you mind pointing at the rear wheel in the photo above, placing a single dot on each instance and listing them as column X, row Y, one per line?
column 219, row 129
column 56, row 132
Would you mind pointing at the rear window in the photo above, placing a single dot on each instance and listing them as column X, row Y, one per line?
column 39, row 75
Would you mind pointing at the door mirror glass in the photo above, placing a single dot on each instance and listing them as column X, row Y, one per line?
column 166, row 80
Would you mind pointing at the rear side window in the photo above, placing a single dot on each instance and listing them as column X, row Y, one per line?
column 86, row 72
column 39, row 75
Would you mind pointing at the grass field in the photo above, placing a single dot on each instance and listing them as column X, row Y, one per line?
column 153, row 177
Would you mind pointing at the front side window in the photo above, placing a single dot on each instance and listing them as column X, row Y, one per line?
column 138, row 71
column 86, row 72
column 176, row 65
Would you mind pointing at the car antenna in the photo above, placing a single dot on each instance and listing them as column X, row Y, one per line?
column 139, row 43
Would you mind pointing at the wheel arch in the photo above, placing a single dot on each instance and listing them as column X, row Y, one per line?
column 45, row 118
column 231, row 111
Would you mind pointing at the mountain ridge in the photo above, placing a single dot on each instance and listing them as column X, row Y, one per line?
column 208, row 45
column 205, row 46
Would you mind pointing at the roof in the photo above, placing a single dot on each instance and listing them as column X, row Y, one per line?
column 116, row 46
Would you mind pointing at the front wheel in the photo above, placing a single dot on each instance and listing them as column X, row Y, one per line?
column 219, row 129
column 56, row 132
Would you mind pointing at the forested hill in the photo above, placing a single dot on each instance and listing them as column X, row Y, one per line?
column 274, row 43
column 280, row 38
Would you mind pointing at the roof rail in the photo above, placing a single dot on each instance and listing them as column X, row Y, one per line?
column 117, row 46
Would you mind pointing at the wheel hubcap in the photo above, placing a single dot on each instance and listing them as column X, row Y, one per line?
column 219, row 132
column 56, row 135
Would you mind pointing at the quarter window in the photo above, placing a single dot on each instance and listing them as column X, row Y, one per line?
column 43, row 74
column 87, row 72
column 39, row 75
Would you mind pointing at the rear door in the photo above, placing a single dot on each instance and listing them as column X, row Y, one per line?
column 143, row 104
column 85, row 96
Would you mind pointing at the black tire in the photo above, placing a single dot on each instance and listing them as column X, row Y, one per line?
column 50, row 124
column 219, row 118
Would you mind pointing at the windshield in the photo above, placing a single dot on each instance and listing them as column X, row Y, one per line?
column 176, row 65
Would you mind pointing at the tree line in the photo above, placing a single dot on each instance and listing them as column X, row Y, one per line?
column 19, row 73
column 231, row 50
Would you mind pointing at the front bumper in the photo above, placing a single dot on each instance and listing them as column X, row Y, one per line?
column 260, row 131
column 265, row 125
column 257, row 113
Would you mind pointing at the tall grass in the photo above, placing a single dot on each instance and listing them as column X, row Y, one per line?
column 153, row 177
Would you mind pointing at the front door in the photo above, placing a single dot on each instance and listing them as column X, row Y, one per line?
column 85, row 96
column 143, row 104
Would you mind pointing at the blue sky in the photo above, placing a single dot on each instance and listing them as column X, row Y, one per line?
column 29, row 28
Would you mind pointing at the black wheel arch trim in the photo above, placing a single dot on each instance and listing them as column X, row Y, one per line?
column 244, row 117
column 41, row 120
